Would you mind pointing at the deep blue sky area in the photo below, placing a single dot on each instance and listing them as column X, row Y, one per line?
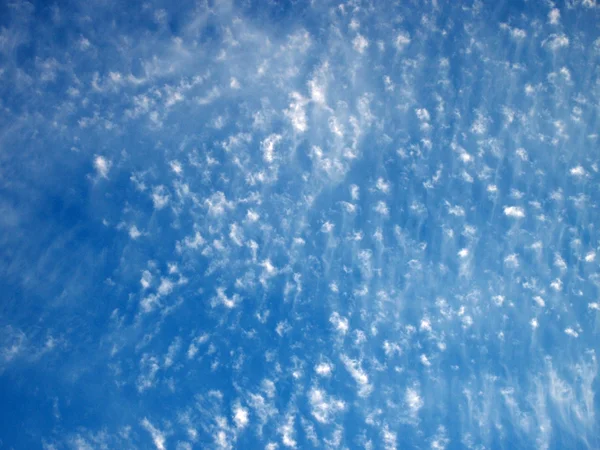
column 294, row 225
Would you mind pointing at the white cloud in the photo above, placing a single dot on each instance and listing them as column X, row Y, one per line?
column 192, row 242
column 518, row 33
column 423, row 114
column 480, row 125
column 577, row 171
column 359, row 375
column 269, row 226
column 102, row 166
column 176, row 167
column 252, row 216
column 402, row 40
column 440, row 440
column 323, row 406
column 360, row 43
column 514, row 211
column 350, row 208
column 296, row 112
column 456, row 210
column 425, row 360
column 560, row 263
column 172, row 352
column 146, row 279
column 327, row 227
column 157, row 436
column 511, row 261
column 382, row 185
column 218, row 204
column 166, row 286
column 240, row 416
column 413, row 400
column 324, row 369
column 557, row 285
column 134, row 233
column 571, row 332
column 556, row 42
column 268, row 147
column 236, row 234
column 223, row 299
column 288, row 432
column 382, row 208
column 317, row 91
column 498, row 300
column 193, row 348
column 390, row 439
column 425, row 324
column 339, row 323
column 12, row 343
column 160, row 198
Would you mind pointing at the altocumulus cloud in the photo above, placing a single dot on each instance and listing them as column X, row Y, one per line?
column 336, row 224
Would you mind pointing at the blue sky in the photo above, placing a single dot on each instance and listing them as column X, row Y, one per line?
column 279, row 225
